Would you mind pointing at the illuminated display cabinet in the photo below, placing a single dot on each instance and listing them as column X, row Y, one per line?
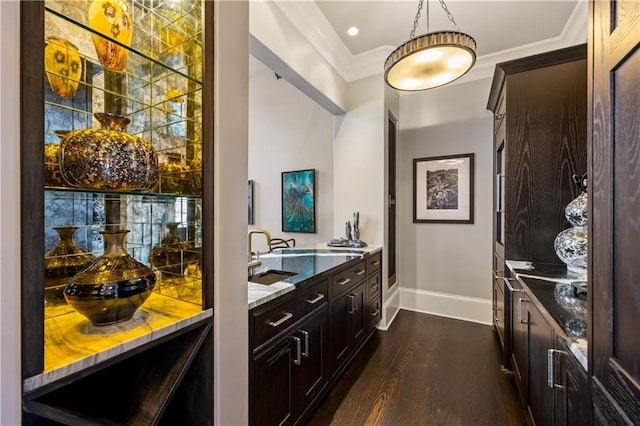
column 116, row 144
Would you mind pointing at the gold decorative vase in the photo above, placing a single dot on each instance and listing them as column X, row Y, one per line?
column 111, row 18
column 63, row 66
column 173, row 175
column 113, row 287
column 172, row 256
column 52, row 175
column 108, row 158
column 65, row 259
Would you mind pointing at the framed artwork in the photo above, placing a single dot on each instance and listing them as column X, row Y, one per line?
column 250, row 194
column 443, row 189
column 298, row 201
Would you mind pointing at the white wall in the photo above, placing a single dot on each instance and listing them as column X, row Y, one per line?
column 359, row 160
column 287, row 131
column 10, row 405
column 445, row 269
column 230, row 228
column 277, row 42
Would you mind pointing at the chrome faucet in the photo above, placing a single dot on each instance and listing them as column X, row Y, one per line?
column 251, row 262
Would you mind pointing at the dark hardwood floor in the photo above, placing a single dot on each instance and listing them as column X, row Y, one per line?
column 426, row 370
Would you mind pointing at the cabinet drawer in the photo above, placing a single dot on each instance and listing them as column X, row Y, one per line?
column 374, row 262
column 341, row 282
column 273, row 320
column 374, row 285
column 315, row 296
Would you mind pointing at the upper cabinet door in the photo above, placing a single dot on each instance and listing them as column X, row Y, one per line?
column 614, row 197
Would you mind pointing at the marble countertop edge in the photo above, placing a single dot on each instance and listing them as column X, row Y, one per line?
column 32, row 383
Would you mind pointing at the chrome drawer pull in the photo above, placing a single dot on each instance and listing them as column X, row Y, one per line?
column 343, row 281
column 297, row 360
column 375, row 262
column 359, row 272
column 306, row 343
column 315, row 300
column 520, row 316
column 374, row 288
column 287, row 316
column 551, row 382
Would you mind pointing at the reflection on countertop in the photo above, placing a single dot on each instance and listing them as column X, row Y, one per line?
column 306, row 262
column 562, row 294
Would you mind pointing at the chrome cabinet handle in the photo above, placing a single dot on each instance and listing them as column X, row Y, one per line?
column 305, row 334
column 287, row 316
column 507, row 281
column 355, row 302
column 359, row 272
column 520, row 302
column 297, row 360
column 375, row 314
column 550, row 369
column 375, row 262
column 375, row 288
column 343, row 281
column 316, row 299
column 350, row 309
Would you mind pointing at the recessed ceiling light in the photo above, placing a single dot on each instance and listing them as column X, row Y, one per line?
column 353, row 31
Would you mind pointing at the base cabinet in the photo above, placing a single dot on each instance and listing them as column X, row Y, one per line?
column 291, row 373
column 347, row 325
column 301, row 342
column 540, row 339
column 572, row 402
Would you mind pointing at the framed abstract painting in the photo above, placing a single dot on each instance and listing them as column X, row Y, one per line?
column 443, row 189
column 298, row 201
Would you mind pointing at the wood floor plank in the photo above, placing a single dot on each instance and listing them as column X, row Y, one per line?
column 426, row 370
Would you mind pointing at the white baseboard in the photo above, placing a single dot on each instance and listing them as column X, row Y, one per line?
column 447, row 305
column 390, row 309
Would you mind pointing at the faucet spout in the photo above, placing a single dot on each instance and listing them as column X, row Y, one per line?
column 252, row 263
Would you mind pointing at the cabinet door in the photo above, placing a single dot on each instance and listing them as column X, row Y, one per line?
column 540, row 340
column 273, row 404
column 517, row 298
column 571, row 397
column 358, row 317
column 614, row 264
column 340, row 341
column 311, row 375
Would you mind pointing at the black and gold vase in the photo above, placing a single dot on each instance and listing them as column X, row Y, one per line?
column 172, row 256
column 65, row 259
column 108, row 158
column 113, row 287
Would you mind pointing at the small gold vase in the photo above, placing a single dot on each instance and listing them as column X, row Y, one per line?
column 111, row 18
column 63, row 66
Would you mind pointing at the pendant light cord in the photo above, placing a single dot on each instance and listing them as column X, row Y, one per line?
column 417, row 18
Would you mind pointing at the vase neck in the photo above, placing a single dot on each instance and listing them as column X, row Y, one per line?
column 66, row 234
column 114, row 241
column 112, row 121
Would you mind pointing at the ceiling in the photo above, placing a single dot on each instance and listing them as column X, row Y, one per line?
column 495, row 25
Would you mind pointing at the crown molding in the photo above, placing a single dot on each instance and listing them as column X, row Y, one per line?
column 307, row 17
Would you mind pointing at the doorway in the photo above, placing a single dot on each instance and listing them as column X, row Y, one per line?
column 391, row 216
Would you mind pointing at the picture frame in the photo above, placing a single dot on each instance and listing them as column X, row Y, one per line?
column 250, row 201
column 298, row 201
column 443, row 189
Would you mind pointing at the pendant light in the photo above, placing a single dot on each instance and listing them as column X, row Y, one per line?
column 432, row 59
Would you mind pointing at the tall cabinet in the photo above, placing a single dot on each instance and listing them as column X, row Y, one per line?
column 156, row 367
column 539, row 105
column 614, row 171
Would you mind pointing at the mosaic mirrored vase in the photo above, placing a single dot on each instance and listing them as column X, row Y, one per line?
column 108, row 158
column 571, row 245
column 113, row 287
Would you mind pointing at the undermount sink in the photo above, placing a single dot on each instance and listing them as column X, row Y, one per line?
column 270, row 277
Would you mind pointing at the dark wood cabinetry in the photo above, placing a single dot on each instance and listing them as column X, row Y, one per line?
column 302, row 341
column 614, row 179
column 552, row 384
column 540, row 129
